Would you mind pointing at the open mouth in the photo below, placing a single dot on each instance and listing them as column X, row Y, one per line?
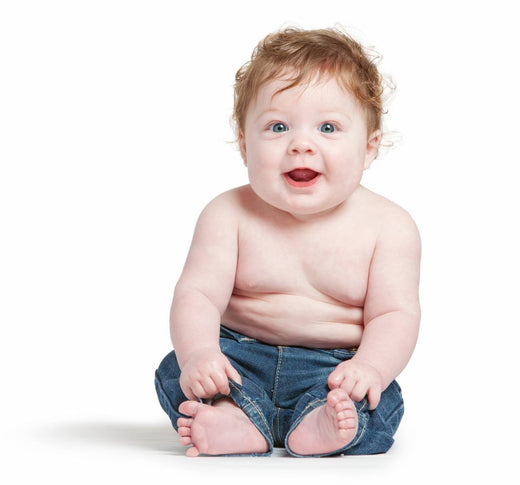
column 301, row 177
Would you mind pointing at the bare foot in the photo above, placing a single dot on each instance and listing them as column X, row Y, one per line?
column 220, row 429
column 327, row 428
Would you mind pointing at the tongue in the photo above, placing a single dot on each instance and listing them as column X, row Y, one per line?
column 302, row 174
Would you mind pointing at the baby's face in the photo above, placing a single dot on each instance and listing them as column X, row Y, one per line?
column 306, row 147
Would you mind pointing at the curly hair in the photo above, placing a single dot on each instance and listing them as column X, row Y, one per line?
column 299, row 55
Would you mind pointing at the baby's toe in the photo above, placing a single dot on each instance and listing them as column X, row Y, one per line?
column 337, row 396
column 344, row 415
column 185, row 440
column 343, row 406
column 190, row 408
column 348, row 423
column 193, row 451
column 184, row 422
column 184, row 431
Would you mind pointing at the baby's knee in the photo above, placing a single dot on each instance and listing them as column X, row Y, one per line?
column 169, row 367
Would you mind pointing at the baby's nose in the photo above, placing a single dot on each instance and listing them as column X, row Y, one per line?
column 301, row 144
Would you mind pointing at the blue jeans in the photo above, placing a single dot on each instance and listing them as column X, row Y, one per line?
column 280, row 386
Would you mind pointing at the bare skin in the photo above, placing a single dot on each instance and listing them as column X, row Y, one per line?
column 327, row 428
column 218, row 429
column 223, row 428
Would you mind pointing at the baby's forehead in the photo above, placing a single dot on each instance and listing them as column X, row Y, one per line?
column 322, row 88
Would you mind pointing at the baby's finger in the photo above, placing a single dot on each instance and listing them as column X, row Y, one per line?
column 233, row 374
column 189, row 394
column 221, row 382
column 374, row 396
column 198, row 391
column 358, row 392
column 348, row 384
column 209, row 387
column 335, row 379
column 187, row 391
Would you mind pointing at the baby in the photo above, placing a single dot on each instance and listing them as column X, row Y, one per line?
column 298, row 303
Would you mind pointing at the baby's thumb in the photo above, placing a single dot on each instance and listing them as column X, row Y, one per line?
column 232, row 373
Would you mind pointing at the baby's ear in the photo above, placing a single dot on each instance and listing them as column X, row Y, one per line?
column 242, row 147
column 373, row 142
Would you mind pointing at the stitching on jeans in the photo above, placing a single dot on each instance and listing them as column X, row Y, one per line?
column 277, row 374
column 313, row 405
column 252, row 404
column 278, row 437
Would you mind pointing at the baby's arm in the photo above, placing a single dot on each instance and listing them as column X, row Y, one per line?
column 391, row 313
column 200, row 298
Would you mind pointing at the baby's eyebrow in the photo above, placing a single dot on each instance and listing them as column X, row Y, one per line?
column 336, row 115
column 323, row 115
column 269, row 111
column 331, row 112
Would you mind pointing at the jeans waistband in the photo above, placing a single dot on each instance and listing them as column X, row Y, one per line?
column 228, row 333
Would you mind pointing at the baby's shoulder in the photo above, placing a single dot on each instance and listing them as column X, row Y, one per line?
column 389, row 217
column 228, row 205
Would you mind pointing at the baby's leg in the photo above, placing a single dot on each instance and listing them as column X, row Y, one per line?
column 220, row 429
column 327, row 428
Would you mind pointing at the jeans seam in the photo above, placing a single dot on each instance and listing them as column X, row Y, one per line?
column 278, row 424
column 394, row 412
column 313, row 404
column 253, row 405
column 277, row 374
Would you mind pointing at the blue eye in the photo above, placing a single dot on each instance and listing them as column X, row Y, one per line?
column 278, row 127
column 327, row 128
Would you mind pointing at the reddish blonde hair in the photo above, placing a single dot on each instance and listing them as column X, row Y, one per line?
column 298, row 55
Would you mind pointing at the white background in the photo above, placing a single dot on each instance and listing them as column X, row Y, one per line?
column 114, row 133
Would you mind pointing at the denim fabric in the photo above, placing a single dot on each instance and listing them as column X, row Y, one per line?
column 280, row 385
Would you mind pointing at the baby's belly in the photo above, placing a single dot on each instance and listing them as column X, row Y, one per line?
column 281, row 319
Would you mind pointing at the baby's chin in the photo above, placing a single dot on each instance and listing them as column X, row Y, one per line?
column 302, row 206
column 307, row 209
column 312, row 213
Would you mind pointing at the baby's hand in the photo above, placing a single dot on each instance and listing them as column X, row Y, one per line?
column 359, row 379
column 206, row 374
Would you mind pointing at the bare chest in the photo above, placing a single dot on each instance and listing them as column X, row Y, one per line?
column 326, row 261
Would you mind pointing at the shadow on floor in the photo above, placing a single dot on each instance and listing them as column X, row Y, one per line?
column 152, row 436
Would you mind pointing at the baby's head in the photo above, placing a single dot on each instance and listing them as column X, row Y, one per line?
column 300, row 56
